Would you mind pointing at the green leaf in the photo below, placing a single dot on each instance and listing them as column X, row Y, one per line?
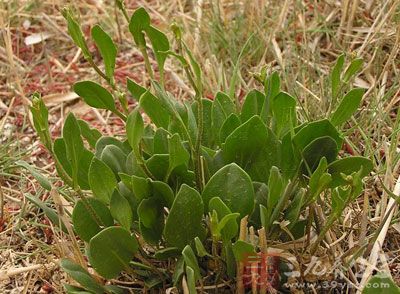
column 276, row 188
column 135, row 89
column 381, row 283
column 208, row 132
column 233, row 185
column 43, row 181
column 115, row 158
column 347, row 106
column 135, row 129
column 115, row 289
column 153, row 235
column 166, row 99
column 252, row 105
column 160, row 141
column 102, row 180
column 190, row 123
column 75, row 290
column 317, row 149
column 157, row 112
column 294, row 210
column 184, row 219
column 83, row 172
column 160, row 45
column 74, row 30
column 133, row 167
column 195, row 66
column 74, row 144
column 335, row 76
column 348, row 166
column 290, row 160
column 272, row 85
column 121, row 210
column 95, row 95
column 128, row 194
column 91, row 135
column 140, row 186
column 166, row 253
column 191, row 280
column 80, row 275
column 227, row 220
column 353, row 68
column 339, row 198
column 158, row 165
column 49, row 212
column 311, row 131
column 84, row 220
column 253, row 147
column 191, row 260
column 230, row 124
column 103, row 142
column 319, row 179
column 60, row 151
column 162, row 192
column 242, row 250
column 201, row 251
column 229, row 228
column 265, row 216
column 261, row 196
column 111, row 250
column 284, row 113
column 179, row 271
column 178, row 155
column 149, row 211
column 140, row 20
column 107, row 49
column 222, row 107
column 230, row 260
column 40, row 115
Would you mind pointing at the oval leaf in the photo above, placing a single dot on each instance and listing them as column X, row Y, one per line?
column 74, row 144
column 102, row 180
column 107, row 49
column 111, row 250
column 85, row 223
column 95, row 95
column 347, row 106
column 233, row 185
column 184, row 220
column 134, row 129
column 80, row 275
column 348, row 166
column 121, row 210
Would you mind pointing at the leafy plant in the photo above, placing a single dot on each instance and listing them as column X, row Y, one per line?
column 175, row 189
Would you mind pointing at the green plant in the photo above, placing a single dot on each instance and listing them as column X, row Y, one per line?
column 165, row 201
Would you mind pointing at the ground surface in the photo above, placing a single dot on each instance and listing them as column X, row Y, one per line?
column 300, row 39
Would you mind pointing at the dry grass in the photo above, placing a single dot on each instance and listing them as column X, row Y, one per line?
column 299, row 39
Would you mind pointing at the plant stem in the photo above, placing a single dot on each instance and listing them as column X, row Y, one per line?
column 120, row 114
column 70, row 182
column 147, row 63
column 331, row 220
column 199, row 100
column 142, row 163
column 1, row 205
column 89, row 208
column 111, row 83
column 101, row 74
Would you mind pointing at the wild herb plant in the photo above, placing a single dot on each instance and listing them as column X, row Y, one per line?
column 164, row 203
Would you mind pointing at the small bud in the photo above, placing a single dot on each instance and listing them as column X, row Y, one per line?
column 176, row 30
